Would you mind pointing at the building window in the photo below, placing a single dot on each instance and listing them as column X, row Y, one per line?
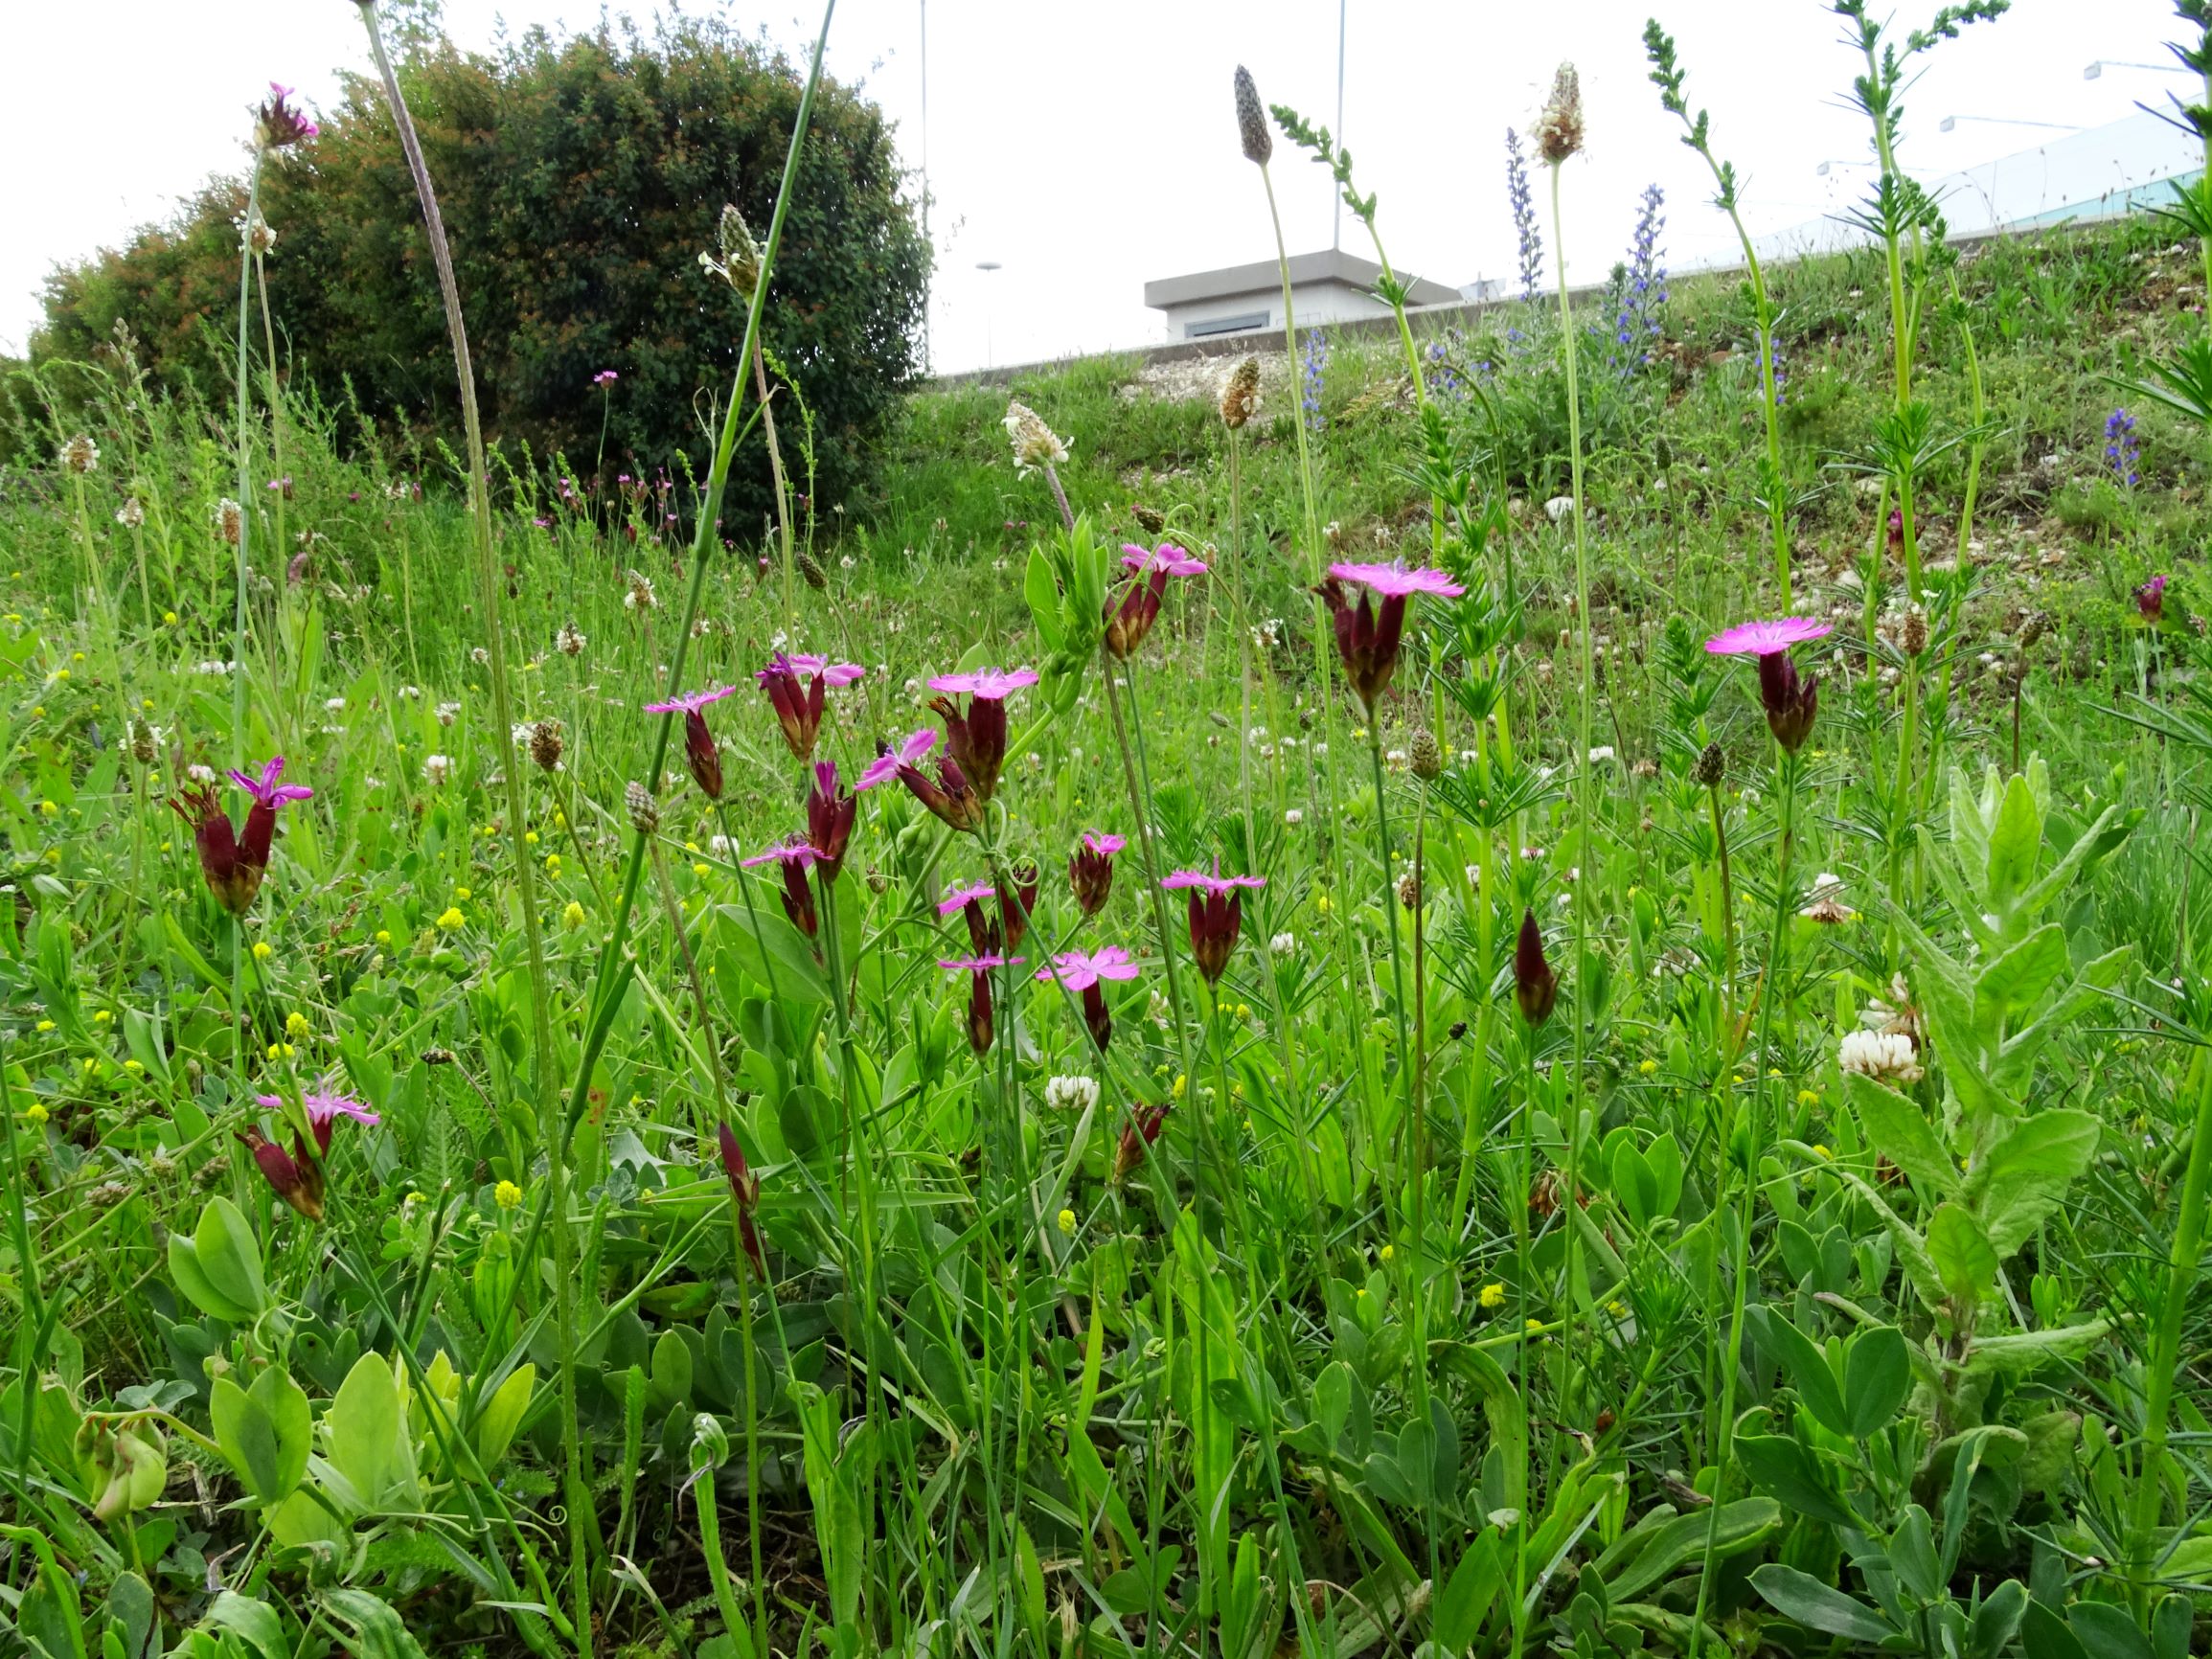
column 1241, row 323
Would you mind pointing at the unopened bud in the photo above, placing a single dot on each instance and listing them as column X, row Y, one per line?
column 1252, row 134
column 812, row 569
column 1711, row 767
column 644, row 810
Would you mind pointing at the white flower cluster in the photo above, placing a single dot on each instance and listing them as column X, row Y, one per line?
column 1885, row 1055
column 1071, row 1094
column 437, row 770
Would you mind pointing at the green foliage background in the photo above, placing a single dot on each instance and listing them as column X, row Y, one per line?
column 582, row 177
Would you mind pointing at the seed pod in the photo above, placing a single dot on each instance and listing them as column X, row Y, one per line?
column 1241, row 394
column 644, row 810
column 1428, row 755
column 1711, row 767
column 1252, row 134
column 545, row 744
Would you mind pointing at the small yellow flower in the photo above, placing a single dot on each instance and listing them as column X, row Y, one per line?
column 1809, row 1097
column 61, row 674
column 1773, row 1071
column 553, row 864
column 1358, row 1293
column 1387, row 1252
column 507, row 1194
column 295, row 1024
column 1321, row 902
column 1243, row 1011
column 101, row 1017
column 76, row 657
column 529, row 837
column 1182, row 1083
column 560, row 820
column 573, row 916
column 274, row 1051
column 1535, row 1325
column 168, row 618
column 464, row 895
column 691, row 846
column 1068, row 1221
column 45, row 1025
column 38, row 711
column 1618, row 1308
column 132, row 1066
column 48, row 809
column 452, row 918
column 263, row 951
column 1822, row 1152
column 145, row 703
column 383, row 936
column 702, row 869
column 34, row 1114
column 1647, row 1067
column 1491, row 1296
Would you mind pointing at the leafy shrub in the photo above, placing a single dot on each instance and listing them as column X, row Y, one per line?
column 580, row 178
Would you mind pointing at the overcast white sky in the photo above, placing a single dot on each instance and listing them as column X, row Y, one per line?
column 1088, row 147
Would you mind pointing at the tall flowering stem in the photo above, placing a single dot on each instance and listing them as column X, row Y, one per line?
column 1585, row 846
column 490, row 591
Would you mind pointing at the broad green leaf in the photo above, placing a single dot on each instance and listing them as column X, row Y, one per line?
column 1961, row 1252
column 1950, row 1015
column 2015, row 981
column 1664, row 1155
column 379, row 1632
column 266, row 1432
column 1969, row 831
column 1042, row 592
column 2107, row 1630
column 1912, row 1248
column 1801, row 1597
column 1634, row 1184
column 229, row 1256
column 789, row 967
column 1789, row 1472
column 364, row 1425
column 2025, row 1175
column 1744, row 1525
column 1877, row 1377
column 255, row 1622
column 1896, row 1128
column 2044, row 1635
column 1807, row 1368
column 2111, row 827
column 2028, row 1350
column 199, row 1289
column 1468, row 1593
column 502, row 1415
column 1997, row 1619
column 2010, row 1070
column 2016, row 844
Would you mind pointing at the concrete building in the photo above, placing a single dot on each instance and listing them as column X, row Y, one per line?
column 1330, row 286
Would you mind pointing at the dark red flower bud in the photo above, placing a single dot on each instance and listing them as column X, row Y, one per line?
column 1791, row 702
column 231, row 875
column 2151, row 600
column 701, row 756
column 830, row 816
column 798, row 897
column 297, row 1181
column 1367, row 639
column 744, row 1192
column 949, row 794
column 1534, row 986
column 1141, row 1130
column 1090, row 870
column 979, row 1021
column 1096, row 1016
column 1130, row 616
column 975, row 742
column 1021, row 904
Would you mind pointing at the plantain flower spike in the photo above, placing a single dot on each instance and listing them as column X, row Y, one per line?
column 1241, row 394
column 1259, row 144
column 1558, row 130
column 740, row 266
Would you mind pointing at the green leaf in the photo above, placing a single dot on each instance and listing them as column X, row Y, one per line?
column 2025, row 1175
column 1468, row 1593
column 1789, row 1472
column 1969, row 831
column 2018, row 1057
column 2107, row 1630
column 1961, row 1251
column 364, row 1427
column 1742, row 1525
column 2112, row 827
column 2044, row 1635
column 1877, row 1377
column 266, row 1433
column 2025, row 1351
column 256, row 1623
column 1634, row 1184
column 1801, row 1597
column 1896, row 1128
column 184, row 1268
column 379, row 1632
column 502, row 1415
column 1042, row 592
column 2015, row 981
column 788, row 966
column 2015, row 845
column 1912, row 1248
column 1997, row 1619
column 229, row 1256
column 1810, row 1374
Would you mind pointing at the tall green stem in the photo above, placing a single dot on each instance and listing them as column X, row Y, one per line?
column 490, row 594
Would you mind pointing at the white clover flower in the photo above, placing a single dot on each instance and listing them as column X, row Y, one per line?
column 569, row 641
column 1602, row 753
column 131, row 514
column 1293, row 817
column 1284, row 945
column 1071, row 1094
column 214, row 667
column 337, row 705
column 437, row 770
column 199, row 774
column 409, row 693
column 1474, row 876
column 1885, row 1055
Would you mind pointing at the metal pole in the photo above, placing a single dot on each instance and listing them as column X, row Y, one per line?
column 926, row 305
column 1336, row 227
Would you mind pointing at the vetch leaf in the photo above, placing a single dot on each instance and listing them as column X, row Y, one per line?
column 1801, row 1597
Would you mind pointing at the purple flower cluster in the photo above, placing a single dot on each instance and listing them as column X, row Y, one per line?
column 2123, row 449
column 1315, row 359
column 1523, row 216
column 1639, row 309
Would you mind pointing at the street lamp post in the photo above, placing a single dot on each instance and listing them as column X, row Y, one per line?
column 1950, row 122
column 986, row 267
column 2096, row 71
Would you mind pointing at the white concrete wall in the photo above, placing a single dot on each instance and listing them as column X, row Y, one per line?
column 1317, row 304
